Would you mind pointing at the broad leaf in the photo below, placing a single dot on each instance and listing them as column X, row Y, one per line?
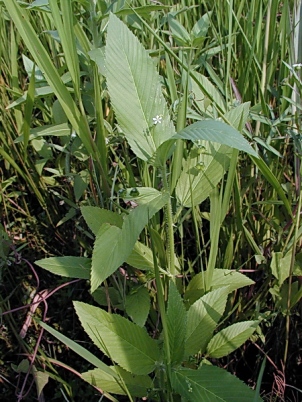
column 113, row 245
column 201, row 172
column 216, row 131
column 135, row 91
column 280, row 266
column 230, row 338
column 210, row 384
column 177, row 322
column 124, row 342
column 221, row 277
column 95, row 217
column 141, row 256
column 72, row 267
column 137, row 385
column 137, row 305
column 203, row 317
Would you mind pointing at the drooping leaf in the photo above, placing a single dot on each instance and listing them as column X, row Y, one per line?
column 71, row 267
column 113, row 245
column 177, row 322
column 221, row 277
column 216, row 131
column 203, row 317
column 230, row 338
column 123, row 341
column 138, row 305
column 132, row 80
column 137, row 385
column 210, row 384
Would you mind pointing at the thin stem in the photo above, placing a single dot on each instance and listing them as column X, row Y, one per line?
column 169, row 226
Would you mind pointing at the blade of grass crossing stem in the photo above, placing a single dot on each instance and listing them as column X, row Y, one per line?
column 181, row 123
column 28, row 110
column 41, row 57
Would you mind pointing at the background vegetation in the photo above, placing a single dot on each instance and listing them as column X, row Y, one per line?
column 62, row 149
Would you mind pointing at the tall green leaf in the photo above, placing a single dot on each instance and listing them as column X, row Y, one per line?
column 124, row 342
column 176, row 322
column 113, row 246
column 210, row 384
column 230, row 338
column 135, row 91
column 203, row 317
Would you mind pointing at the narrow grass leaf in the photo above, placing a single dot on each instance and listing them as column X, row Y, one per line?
column 84, row 353
column 230, row 338
column 124, row 342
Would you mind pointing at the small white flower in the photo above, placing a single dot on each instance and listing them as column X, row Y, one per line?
column 157, row 119
column 73, row 134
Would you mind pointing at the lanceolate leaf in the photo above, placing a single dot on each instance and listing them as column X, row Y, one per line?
column 124, row 342
column 211, row 384
column 72, row 267
column 216, row 131
column 113, row 245
column 203, row 317
column 137, row 385
column 135, row 91
column 177, row 322
column 230, row 338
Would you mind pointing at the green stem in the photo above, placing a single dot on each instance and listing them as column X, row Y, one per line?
column 169, row 226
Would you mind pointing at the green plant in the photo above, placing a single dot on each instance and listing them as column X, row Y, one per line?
column 186, row 330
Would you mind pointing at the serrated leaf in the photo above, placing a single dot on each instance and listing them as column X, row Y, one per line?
column 132, row 80
column 177, row 323
column 202, row 172
column 136, row 384
column 141, row 257
column 71, row 267
column 216, row 131
column 113, row 246
column 210, row 384
column 137, row 305
column 124, row 342
column 203, row 317
column 230, row 338
column 95, row 217
column 221, row 277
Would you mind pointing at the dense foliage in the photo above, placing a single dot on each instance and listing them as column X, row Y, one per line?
column 150, row 200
